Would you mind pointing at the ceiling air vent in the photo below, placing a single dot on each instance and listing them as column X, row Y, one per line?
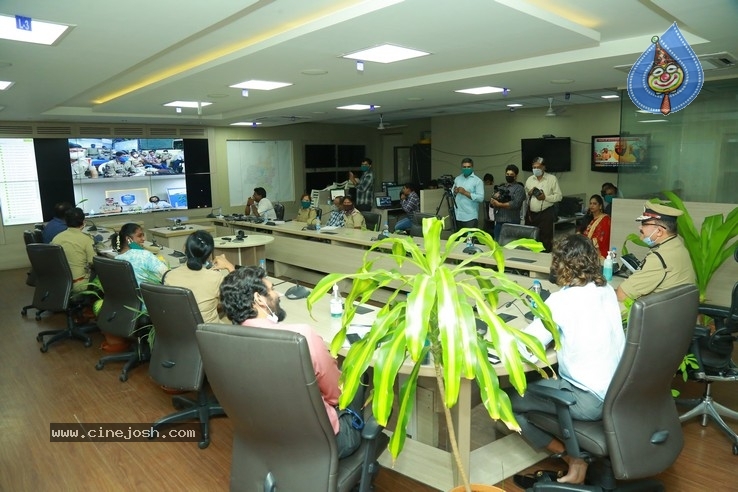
column 131, row 131
column 192, row 132
column 95, row 131
column 162, row 132
column 710, row 62
column 53, row 130
column 16, row 129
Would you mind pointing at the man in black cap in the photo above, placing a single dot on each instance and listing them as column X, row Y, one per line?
column 667, row 264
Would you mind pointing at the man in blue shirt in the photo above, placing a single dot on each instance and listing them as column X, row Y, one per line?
column 58, row 223
column 468, row 194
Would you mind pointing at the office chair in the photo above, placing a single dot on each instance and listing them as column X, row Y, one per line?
column 416, row 229
column 175, row 358
column 639, row 435
column 372, row 220
column 53, row 292
column 511, row 232
column 713, row 350
column 121, row 312
column 28, row 238
column 319, row 213
column 279, row 210
column 283, row 439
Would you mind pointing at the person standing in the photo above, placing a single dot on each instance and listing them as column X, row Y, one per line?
column 410, row 203
column 608, row 192
column 543, row 193
column 508, row 211
column 259, row 206
column 364, row 186
column 468, row 194
column 667, row 264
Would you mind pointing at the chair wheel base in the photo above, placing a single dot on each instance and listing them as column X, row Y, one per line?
column 44, row 349
column 99, row 366
column 38, row 316
column 203, row 444
column 123, row 377
column 39, row 338
column 24, row 312
column 735, row 449
column 88, row 343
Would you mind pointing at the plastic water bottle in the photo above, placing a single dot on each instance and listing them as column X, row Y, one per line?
column 263, row 264
column 317, row 224
column 607, row 267
column 336, row 303
column 614, row 256
column 536, row 287
column 469, row 242
column 385, row 230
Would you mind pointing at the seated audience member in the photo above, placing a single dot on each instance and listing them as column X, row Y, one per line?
column 118, row 166
column 306, row 213
column 410, row 203
column 608, row 192
column 202, row 276
column 58, row 223
column 156, row 204
column 598, row 228
column 352, row 218
column 81, row 165
column 249, row 299
column 259, row 205
column 336, row 217
column 129, row 243
column 78, row 248
column 667, row 264
column 587, row 314
column 150, row 159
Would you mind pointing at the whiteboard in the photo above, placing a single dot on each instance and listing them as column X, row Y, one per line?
column 260, row 163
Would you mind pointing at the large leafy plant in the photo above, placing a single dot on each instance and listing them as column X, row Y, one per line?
column 436, row 317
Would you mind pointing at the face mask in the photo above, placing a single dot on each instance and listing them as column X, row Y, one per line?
column 650, row 242
column 272, row 316
column 348, row 209
column 510, row 179
column 467, row 171
column 305, row 204
column 608, row 198
column 537, row 172
column 364, row 169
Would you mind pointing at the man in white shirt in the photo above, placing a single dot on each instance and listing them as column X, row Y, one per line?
column 259, row 206
column 543, row 193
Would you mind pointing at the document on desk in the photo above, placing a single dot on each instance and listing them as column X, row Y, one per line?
column 329, row 228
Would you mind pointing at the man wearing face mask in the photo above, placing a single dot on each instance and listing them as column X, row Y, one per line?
column 667, row 264
column 543, row 193
column 468, row 194
column 336, row 217
column 608, row 192
column 249, row 299
column 364, row 186
column 352, row 218
column 508, row 212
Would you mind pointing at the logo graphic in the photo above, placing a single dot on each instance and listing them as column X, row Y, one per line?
column 667, row 76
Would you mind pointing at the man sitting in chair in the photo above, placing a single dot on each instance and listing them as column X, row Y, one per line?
column 249, row 299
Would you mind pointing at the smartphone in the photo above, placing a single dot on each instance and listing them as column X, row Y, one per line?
column 493, row 358
column 353, row 338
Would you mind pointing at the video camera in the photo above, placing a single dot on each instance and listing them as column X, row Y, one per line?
column 446, row 181
column 502, row 194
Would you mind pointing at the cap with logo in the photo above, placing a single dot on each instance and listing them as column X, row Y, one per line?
column 657, row 211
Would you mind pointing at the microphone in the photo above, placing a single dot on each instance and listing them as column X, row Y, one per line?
column 92, row 227
column 508, row 304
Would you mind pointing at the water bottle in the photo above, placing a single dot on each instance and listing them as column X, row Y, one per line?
column 614, row 256
column 536, row 287
column 385, row 230
column 263, row 265
column 469, row 242
column 336, row 303
column 317, row 224
column 607, row 267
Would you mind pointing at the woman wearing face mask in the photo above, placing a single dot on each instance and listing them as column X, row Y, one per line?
column 306, row 213
column 352, row 218
column 598, row 229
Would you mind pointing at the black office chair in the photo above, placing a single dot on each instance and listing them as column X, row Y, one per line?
column 282, row 437
column 319, row 213
column 53, row 292
column 28, row 238
column 713, row 350
column 121, row 312
column 511, row 232
column 639, row 435
column 279, row 210
column 175, row 357
column 416, row 229
column 372, row 220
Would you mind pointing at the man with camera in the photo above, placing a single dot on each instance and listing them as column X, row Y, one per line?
column 468, row 193
column 543, row 193
column 508, row 200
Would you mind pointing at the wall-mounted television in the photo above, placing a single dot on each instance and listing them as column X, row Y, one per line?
column 610, row 153
column 556, row 153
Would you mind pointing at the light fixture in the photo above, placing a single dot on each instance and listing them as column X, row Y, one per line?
column 261, row 85
column 4, row 85
column 487, row 89
column 610, row 96
column 246, row 123
column 515, row 105
column 386, row 53
column 188, row 104
column 359, row 107
column 505, row 91
column 178, row 109
column 28, row 30
column 245, row 92
column 359, row 66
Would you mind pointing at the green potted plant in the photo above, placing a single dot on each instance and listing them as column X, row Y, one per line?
column 435, row 318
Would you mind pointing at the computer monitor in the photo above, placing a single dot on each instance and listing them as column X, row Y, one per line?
column 394, row 193
column 335, row 193
column 177, row 197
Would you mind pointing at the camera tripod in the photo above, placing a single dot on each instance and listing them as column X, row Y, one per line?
column 448, row 195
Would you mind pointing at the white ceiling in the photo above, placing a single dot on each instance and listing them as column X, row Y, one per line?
column 139, row 54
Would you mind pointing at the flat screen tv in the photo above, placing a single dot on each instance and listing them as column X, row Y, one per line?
column 611, row 153
column 556, row 153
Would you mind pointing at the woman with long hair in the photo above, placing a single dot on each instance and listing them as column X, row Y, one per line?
column 129, row 242
column 598, row 229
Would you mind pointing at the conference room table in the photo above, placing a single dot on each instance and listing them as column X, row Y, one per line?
column 489, row 463
column 246, row 250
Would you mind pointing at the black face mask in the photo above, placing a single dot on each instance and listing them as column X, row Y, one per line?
column 510, row 179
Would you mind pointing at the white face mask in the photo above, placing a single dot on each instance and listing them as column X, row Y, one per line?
column 537, row 172
column 272, row 316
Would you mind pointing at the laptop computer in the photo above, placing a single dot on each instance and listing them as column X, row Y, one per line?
column 383, row 201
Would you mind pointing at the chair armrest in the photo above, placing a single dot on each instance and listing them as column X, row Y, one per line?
column 714, row 311
column 371, row 429
column 559, row 397
column 563, row 401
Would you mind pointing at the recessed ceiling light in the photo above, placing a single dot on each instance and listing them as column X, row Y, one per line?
column 314, row 71
column 188, row 104
column 386, row 53
column 515, row 105
column 4, row 84
column 652, row 121
column 261, row 85
column 562, row 81
column 246, row 123
column 28, row 30
column 359, row 107
column 610, row 96
column 481, row 90
column 643, row 111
